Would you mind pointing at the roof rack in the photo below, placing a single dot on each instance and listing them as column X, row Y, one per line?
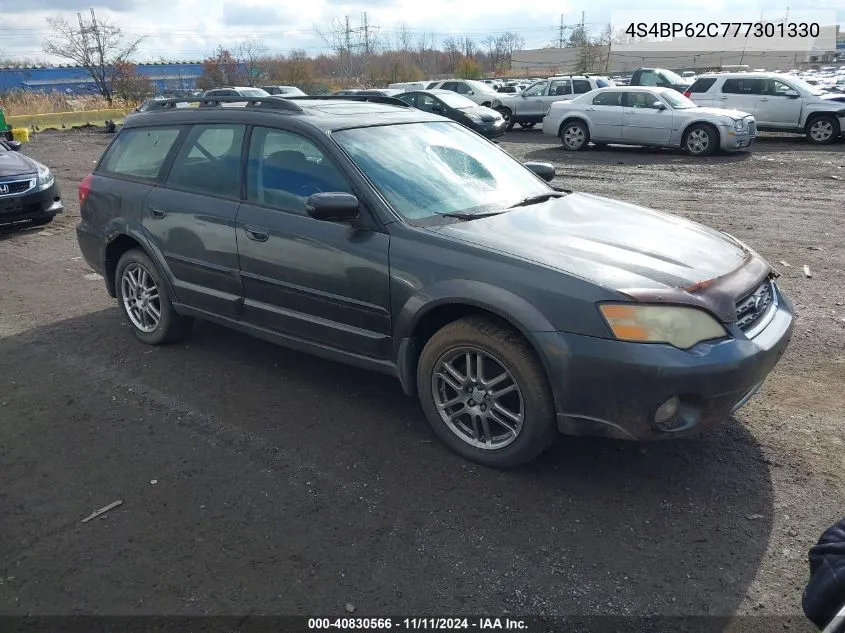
column 370, row 98
column 269, row 102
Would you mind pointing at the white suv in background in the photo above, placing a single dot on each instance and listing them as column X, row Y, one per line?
column 779, row 102
column 529, row 106
column 477, row 91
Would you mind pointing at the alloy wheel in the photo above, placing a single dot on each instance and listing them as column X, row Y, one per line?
column 140, row 297
column 821, row 131
column 698, row 141
column 477, row 398
column 573, row 137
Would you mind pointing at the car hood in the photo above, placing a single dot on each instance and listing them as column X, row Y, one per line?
column 732, row 114
column 831, row 96
column 618, row 245
column 488, row 115
column 15, row 164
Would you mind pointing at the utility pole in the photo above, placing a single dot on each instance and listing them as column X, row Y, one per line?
column 583, row 45
column 347, row 69
column 560, row 33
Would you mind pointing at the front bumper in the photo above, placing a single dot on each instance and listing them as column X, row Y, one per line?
column 492, row 129
column 733, row 140
column 613, row 388
column 31, row 205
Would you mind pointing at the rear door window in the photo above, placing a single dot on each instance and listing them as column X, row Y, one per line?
column 743, row 86
column 140, row 153
column 702, row 85
column 560, row 87
column 210, row 161
column 608, row 99
column 581, row 86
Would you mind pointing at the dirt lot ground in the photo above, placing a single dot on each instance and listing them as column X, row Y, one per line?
column 258, row 480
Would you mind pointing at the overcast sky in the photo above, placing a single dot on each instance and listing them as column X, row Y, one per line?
column 190, row 29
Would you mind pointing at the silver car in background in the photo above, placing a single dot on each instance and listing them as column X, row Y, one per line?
column 639, row 115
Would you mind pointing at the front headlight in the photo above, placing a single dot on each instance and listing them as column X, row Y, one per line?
column 739, row 125
column 678, row 326
column 45, row 177
column 473, row 117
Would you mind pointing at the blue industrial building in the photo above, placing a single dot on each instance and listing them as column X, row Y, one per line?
column 166, row 76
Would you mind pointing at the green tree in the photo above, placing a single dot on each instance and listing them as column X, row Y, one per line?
column 468, row 68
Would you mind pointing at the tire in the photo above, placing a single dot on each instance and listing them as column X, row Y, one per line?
column 170, row 326
column 507, row 115
column 701, row 140
column 41, row 221
column 823, row 129
column 527, row 126
column 575, row 136
column 473, row 430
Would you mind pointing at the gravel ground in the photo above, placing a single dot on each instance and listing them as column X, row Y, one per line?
column 258, row 480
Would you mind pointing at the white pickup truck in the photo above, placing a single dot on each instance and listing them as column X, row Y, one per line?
column 778, row 101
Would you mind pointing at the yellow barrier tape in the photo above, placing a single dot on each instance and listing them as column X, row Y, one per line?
column 60, row 120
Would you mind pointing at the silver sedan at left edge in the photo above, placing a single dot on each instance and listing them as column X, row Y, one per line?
column 639, row 115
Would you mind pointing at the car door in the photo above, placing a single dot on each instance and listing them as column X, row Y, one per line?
column 776, row 108
column 320, row 281
column 191, row 218
column 559, row 90
column 739, row 93
column 605, row 115
column 533, row 104
column 642, row 122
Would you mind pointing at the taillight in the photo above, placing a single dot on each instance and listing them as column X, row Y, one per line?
column 687, row 94
column 85, row 189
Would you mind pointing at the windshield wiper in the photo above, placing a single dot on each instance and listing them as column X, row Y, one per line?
column 469, row 216
column 536, row 199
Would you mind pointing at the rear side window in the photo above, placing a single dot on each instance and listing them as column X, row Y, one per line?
column 581, row 86
column 743, row 86
column 560, row 87
column 608, row 99
column 140, row 152
column 210, row 161
column 702, row 85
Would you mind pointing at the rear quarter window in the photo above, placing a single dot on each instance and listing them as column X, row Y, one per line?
column 743, row 86
column 702, row 85
column 581, row 86
column 139, row 153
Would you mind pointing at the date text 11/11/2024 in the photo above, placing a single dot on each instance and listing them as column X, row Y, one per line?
column 418, row 624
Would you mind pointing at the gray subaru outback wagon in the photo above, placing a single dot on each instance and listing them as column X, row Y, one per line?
column 371, row 233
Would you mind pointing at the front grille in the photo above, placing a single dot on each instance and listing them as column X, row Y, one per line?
column 752, row 128
column 753, row 307
column 17, row 186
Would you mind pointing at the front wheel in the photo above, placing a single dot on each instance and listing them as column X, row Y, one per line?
column 575, row 136
column 701, row 140
column 145, row 300
column 823, row 130
column 485, row 393
column 507, row 115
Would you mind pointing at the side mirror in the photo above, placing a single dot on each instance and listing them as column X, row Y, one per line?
column 15, row 146
column 792, row 94
column 471, row 92
column 658, row 105
column 546, row 171
column 332, row 207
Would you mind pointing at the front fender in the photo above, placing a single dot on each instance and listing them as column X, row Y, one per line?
column 510, row 307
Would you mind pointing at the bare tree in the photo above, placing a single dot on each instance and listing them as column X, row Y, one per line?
column 452, row 48
column 96, row 45
column 337, row 37
column 250, row 54
column 468, row 46
column 403, row 41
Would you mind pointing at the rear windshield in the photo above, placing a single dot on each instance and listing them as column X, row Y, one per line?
column 702, row 85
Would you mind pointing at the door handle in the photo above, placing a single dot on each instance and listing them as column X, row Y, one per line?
column 157, row 211
column 763, row 99
column 723, row 98
column 257, row 234
column 590, row 109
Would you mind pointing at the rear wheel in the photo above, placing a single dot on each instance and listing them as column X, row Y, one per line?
column 575, row 136
column 822, row 130
column 485, row 393
column 701, row 140
column 145, row 300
